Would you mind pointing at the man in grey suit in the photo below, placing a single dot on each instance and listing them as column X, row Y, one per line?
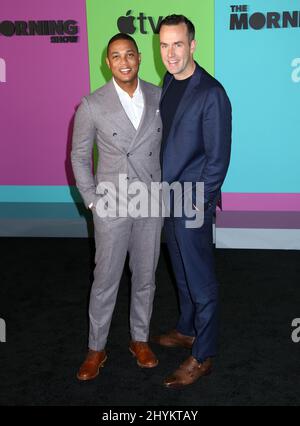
column 123, row 118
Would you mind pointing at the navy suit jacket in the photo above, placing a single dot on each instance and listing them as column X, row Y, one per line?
column 197, row 148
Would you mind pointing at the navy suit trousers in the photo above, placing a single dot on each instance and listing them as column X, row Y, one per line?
column 191, row 253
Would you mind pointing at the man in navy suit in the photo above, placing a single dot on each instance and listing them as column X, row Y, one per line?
column 196, row 115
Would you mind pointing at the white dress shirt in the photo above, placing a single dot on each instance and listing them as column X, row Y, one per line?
column 133, row 106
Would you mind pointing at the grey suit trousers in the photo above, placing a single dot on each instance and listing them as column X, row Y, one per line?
column 114, row 237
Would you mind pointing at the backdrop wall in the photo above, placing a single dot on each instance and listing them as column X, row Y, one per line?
column 52, row 53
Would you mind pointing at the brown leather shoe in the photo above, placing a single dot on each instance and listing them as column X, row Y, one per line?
column 174, row 339
column 144, row 356
column 91, row 365
column 188, row 373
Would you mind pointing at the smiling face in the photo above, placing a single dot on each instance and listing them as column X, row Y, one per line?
column 123, row 60
column 177, row 50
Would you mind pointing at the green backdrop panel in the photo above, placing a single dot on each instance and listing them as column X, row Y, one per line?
column 105, row 19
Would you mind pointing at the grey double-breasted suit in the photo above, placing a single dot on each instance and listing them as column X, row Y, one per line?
column 123, row 150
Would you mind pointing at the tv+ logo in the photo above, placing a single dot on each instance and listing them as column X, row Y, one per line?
column 126, row 24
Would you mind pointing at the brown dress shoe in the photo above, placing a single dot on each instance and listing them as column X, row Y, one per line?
column 144, row 356
column 188, row 373
column 174, row 339
column 91, row 365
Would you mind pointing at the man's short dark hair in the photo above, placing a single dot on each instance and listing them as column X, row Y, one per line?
column 179, row 19
column 121, row 36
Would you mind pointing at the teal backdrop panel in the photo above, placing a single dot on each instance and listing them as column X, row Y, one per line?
column 260, row 69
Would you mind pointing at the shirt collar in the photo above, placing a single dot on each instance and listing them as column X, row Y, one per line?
column 121, row 91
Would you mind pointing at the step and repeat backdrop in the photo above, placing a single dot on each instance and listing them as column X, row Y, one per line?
column 53, row 52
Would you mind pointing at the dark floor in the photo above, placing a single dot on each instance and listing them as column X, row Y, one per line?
column 43, row 299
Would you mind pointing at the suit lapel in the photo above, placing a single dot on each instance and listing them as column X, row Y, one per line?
column 116, row 110
column 149, row 113
column 167, row 82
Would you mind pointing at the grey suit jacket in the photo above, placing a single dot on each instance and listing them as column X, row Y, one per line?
column 101, row 118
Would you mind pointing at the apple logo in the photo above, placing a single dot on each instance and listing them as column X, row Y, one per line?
column 125, row 23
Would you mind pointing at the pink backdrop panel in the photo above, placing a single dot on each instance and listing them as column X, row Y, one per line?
column 44, row 83
column 261, row 202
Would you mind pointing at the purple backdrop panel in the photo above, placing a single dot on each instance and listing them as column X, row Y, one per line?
column 258, row 219
column 44, row 82
column 261, row 202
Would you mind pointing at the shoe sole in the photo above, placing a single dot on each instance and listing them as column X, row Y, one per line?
column 84, row 379
column 140, row 364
